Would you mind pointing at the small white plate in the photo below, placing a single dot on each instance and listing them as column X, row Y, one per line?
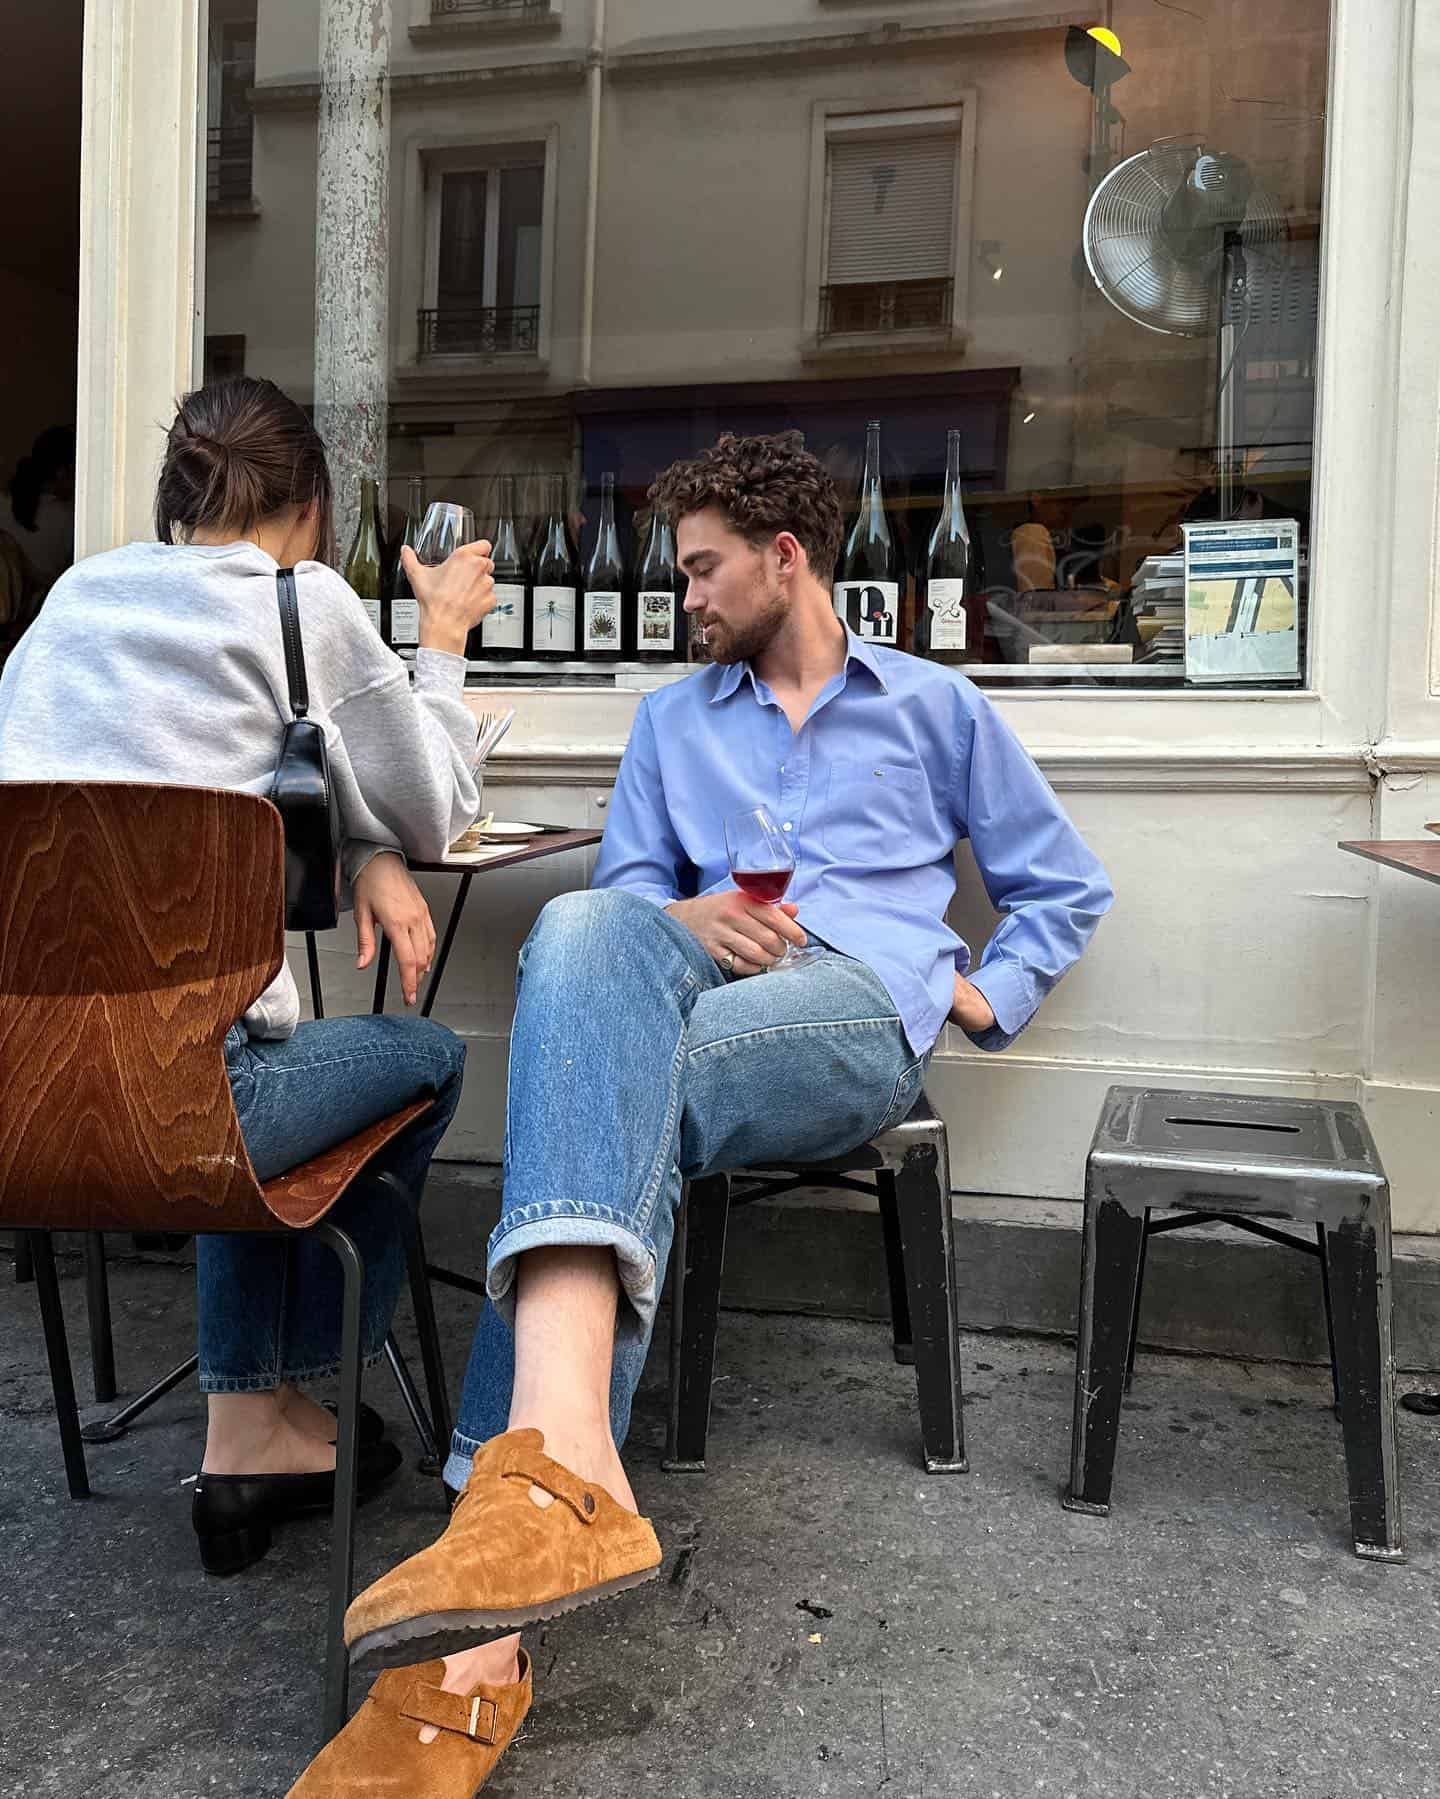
column 498, row 830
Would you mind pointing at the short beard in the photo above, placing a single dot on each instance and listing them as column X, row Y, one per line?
column 757, row 636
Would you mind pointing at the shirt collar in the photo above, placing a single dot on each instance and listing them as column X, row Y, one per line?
column 857, row 650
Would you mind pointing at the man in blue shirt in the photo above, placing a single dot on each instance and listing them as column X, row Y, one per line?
column 646, row 1049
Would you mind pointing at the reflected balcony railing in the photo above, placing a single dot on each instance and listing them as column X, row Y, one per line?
column 884, row 306
column 479, row 330
column 229, row 164
column 470, row 10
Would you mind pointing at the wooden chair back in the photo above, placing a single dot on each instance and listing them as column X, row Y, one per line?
column 137, row 923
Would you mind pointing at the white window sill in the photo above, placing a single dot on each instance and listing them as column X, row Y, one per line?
column 949, row 341
column 504, row 365
column 446, row 28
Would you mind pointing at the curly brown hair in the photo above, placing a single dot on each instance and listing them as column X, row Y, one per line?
column 762, row 485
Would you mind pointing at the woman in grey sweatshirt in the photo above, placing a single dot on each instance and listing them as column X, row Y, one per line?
column 164, row 662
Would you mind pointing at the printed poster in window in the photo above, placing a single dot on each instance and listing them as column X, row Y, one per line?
column 1242, row 601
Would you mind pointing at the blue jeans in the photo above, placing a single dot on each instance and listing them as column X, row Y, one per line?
column 634, row 1066
column 269, row 1307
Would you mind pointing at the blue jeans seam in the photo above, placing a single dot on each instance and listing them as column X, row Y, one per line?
column 781, row 1030
column 665, row 1146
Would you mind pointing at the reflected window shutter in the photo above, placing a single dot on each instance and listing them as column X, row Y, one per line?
column 892, row 207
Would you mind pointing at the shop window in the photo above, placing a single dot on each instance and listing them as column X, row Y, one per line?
column 891, row 184
column 484, row 233
column 230, row 139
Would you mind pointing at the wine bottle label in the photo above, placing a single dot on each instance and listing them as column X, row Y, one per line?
column 504, row 628
column 657, row 622
column 555, row 619
column 372, row 611
column 947, row 614
column 870, row 608
column 404, row 622
column 602, row 621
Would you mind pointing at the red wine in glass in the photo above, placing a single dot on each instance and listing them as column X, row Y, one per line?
column 767, row 885
column 762, row 861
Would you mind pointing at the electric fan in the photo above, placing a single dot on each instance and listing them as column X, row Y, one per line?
column 1174, row 239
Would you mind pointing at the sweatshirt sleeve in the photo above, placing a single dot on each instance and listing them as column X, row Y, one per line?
column 410, row 755
column 402, row 758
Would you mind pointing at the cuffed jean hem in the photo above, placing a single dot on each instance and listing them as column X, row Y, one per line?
column 457, row 1466
column 285, row 1377
column 570, row 1226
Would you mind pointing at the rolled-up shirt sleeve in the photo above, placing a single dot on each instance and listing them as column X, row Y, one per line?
column 1038, row 871
column 640, row 852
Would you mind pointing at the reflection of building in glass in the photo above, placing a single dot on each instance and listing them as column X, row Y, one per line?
column 790, row 219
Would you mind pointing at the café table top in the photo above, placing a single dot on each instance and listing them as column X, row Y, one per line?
column 506, row 855
column 1420, row 857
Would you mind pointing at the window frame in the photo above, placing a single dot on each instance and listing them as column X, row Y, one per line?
column 850, row 121
column 427, row 156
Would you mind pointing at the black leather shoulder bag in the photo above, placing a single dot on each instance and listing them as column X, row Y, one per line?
column 303, row 793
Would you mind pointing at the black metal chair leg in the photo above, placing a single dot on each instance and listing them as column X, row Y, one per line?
column 347, row 1442
column 106, row 1430
column 921, row 1187
column 57, row 1349
column 1329, row 1314
column 431, row 1358
column 1135, row 1313
column 895, row 1270
column 1358, row 1257
column 24, row 1260
column 430, row 1458
column 1109, row 1275
column 97, row 1302
column 699, row 1255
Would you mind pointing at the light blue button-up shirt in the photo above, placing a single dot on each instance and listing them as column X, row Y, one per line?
column 898, row 760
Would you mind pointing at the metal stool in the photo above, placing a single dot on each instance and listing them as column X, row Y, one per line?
column 911, row 1169
column 1238, row 1159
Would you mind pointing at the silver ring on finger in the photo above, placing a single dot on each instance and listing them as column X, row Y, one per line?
column 727, row 964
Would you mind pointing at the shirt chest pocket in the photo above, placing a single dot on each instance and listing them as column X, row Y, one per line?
column 873, row 810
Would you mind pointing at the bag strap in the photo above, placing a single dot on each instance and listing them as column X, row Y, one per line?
column 294, row 647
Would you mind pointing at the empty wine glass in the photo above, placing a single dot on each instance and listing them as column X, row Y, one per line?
column 762, row 861
column 446, row 527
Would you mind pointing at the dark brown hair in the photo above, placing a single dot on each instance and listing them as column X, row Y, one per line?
column 240, row 451
column 762, row 485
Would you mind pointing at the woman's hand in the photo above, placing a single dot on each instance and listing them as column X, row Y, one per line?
column 386, row 895
column 729, row 924
column 454, row 595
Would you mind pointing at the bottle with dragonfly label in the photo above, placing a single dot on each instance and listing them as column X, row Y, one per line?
column 365, row 563
column 655, row 636
column 867, row 592
column 604, row 584
column 557, row 578
column 501, row 635
column 404, row 608
column 941, row 623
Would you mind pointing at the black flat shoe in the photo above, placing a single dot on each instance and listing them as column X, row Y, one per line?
column 233, row 1513
column 373, row 1427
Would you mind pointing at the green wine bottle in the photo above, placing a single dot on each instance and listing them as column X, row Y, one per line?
column 365, row 563
column 404, row 609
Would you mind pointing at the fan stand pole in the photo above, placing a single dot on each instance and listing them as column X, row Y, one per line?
column 1234, row 282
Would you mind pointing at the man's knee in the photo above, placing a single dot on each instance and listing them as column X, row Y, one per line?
column 575, row 922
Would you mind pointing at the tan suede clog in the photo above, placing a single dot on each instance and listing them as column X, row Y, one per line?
column 503, row 1561
column 379, row 1754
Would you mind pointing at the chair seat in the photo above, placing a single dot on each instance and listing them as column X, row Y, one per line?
column 301, row 1195
column 1155, row 1147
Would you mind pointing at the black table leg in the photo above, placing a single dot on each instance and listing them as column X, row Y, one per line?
column 451, row 927
column 382, row 974
column 317, row 998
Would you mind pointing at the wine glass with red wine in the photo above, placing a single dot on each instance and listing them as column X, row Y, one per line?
column 762, row 861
